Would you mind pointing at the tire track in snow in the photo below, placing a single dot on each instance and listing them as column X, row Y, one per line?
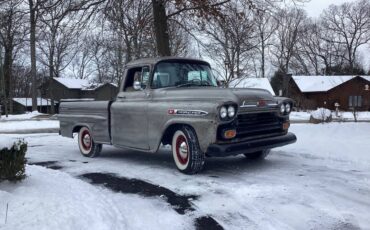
column 180, row 203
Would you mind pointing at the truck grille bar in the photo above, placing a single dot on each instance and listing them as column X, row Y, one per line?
column 256, row 124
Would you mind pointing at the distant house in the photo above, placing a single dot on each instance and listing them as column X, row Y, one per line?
column 346, row 92
column 22, row 105
column 68, row 88
column 100, row 92
column 255, row 83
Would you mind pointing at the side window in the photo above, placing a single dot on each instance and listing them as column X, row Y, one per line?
column 145, row 73
column 140, row 74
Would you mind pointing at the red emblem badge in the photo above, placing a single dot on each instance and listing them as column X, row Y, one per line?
column 261, row 103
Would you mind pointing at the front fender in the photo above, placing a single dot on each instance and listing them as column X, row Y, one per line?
column 205, row 130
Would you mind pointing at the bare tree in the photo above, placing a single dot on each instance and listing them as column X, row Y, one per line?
column 266, row 26
column 350, row 23
column 164, row 10
column 12, row 33
column 58, row 33
column 131, row 20
column 288, row 33
column 34, row 7
column 231, row 37
column 81, row 64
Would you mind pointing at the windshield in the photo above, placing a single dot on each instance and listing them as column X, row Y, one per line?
column 171, row 74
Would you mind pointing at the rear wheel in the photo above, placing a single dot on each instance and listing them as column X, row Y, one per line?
column 88, row 147
column 188, row 156
column 259, row 155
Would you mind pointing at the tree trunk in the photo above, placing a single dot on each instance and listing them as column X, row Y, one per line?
column 52, row 71
column 262, row 55
column 7, row 76
column 161, row 28
column 51, row 76
column 2, row 85
column 33, row 52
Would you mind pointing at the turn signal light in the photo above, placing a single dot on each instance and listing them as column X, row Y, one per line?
column 286, row 125
column 228, row 134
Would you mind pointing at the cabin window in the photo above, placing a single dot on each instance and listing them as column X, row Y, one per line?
column 355, row 101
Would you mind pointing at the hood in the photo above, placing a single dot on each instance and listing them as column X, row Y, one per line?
column 236, row 95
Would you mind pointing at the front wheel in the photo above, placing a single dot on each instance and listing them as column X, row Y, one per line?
column 188, row 156
column 260, row 155
column 88, row 147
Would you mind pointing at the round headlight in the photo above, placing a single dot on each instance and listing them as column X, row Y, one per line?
column 223, row 112
column 231, row 111
column 282, row 108
column 287, row 108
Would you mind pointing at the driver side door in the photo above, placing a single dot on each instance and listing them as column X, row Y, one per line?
column 129, row 120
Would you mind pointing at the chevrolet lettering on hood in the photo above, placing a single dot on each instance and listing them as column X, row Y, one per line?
column 187, row 112
column 176, row 101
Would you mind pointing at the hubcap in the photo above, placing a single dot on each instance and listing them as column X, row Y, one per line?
column 86, row 140
column 182, row 150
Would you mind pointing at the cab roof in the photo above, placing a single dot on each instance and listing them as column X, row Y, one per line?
column 155, row 60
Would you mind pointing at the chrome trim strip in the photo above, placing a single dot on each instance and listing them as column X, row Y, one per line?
column 183, row 112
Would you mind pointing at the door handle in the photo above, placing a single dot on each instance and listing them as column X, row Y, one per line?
column 147, row 94
column 122, row 97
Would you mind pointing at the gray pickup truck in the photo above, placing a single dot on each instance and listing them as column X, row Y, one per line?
column 176, row 101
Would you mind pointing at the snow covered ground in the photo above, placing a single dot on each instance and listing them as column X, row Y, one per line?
column 320, row 182
column 342, row 116
column 20, row 116
column 16, row 126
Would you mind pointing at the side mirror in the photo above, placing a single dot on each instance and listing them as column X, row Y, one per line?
column 137, row 85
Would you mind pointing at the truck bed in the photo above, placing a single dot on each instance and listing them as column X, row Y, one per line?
column 93, row 114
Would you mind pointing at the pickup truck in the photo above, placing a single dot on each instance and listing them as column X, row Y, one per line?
column 177, row 101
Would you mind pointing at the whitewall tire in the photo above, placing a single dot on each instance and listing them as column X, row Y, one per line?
column 187, row 155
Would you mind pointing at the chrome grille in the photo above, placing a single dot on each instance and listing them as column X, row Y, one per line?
column 257, row 124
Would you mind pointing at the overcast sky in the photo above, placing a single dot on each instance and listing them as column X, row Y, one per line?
column 315, row 7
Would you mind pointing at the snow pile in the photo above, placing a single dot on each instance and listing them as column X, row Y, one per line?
column 20, row 116
column 321, row 114
column 6, row 142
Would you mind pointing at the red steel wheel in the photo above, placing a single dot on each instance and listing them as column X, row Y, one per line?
column 88, row 147
column 182, row 148
column 86, row 140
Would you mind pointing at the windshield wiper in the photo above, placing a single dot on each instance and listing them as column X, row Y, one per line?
column 187, row 84
column 194, row 84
